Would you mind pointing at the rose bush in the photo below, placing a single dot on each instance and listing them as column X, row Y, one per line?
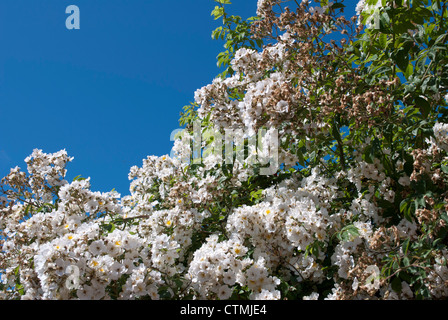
column 355, row 125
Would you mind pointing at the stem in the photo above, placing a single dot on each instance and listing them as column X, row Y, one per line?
column 136, row 217
column 341, row 151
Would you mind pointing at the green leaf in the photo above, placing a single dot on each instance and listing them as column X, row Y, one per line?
column 423, row 105
column 338, row 6
column 27, row 210
column 406, row 262
column 407, row 213
column 419, row 202
column 396, row 284
column 109, row 227
column 348, row 232
column 444, row 217
column 383, row 40
column 440, row 38
column 384, row 22
column 16, row 271
column 78, row 178
column 404, row 205
column 301, row 158
column 409, row 71
column 217, row 12
column 20, row 289
column 256, row 195
column 401, row 58
column 444, row 168
column 405, row 246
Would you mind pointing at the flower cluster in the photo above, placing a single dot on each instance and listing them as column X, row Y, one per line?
column 356, row 209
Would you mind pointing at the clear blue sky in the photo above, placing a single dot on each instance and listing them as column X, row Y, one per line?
column 109, row 93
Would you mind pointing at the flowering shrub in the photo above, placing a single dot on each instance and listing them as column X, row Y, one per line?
column 354, row 121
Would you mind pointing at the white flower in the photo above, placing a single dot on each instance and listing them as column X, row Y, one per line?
column 85, row 293
column 97, row 247
column 224, row 292
column 229, row 277
column 91, row 206
column 362, row 8
column 116, row 270
column 404, row 181
column 265, row 294
column 441, row 135
column 313, row 296
column 389, row 196
column 153, row 292
column 261, row 7
column 355, row 284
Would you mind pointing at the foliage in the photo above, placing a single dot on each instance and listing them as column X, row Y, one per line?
column 355, row 209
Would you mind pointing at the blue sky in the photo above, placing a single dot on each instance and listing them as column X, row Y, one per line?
column 109, row 93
